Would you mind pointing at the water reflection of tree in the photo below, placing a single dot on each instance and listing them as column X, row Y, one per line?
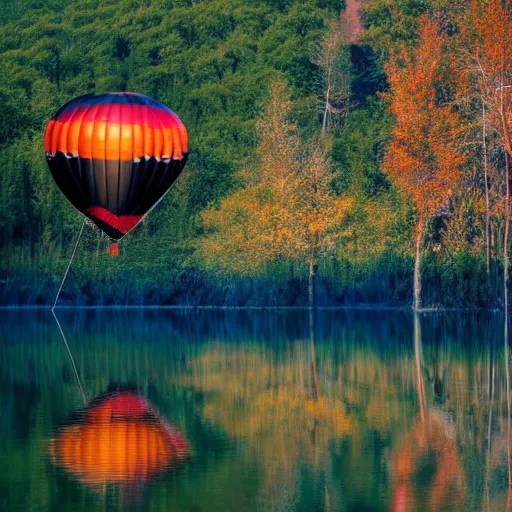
column 319, row 406
column 252, row 389
column 291, row 410
column 498, row 471
column 427, row 464
column 278, row 406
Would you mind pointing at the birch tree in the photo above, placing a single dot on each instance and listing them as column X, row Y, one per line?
column 287, row 210
column 424, row 158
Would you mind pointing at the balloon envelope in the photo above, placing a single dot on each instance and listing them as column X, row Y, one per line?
column 114, row 156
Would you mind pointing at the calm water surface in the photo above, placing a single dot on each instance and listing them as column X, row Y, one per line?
column 231, row 411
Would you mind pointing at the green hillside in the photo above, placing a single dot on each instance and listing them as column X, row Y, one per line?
column 213, row 63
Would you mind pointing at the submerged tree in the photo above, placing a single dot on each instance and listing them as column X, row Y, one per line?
column 424, row 158
column 287, row 211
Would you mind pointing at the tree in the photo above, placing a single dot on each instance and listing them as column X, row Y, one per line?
column 424, row 158
column 318, row 212
column 492, row 54
column 287, row 210
column 332, row 57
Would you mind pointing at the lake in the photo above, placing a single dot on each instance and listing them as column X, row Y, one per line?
column 253, row 410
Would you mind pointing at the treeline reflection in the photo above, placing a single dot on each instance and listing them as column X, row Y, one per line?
column 376, row 410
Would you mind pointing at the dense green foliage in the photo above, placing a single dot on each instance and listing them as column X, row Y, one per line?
column 212, row 62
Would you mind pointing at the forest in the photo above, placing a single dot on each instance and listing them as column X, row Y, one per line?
column 341, row 154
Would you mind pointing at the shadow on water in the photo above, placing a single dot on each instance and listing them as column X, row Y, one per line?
column 254, row 410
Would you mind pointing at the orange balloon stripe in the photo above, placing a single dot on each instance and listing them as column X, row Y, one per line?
column 108, row 141
column 55, row 136
column 126, row 131
column 137, row 140
column 48, row 136
column 117, row 131
column 113, row 134
column 157, row 135
column 74, row 131
column 178, row 144
column 167, row 135
column 183, row 137
column 86, row 131
column 107, row 452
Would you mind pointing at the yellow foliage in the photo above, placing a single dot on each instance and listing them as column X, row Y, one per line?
column 286, row 210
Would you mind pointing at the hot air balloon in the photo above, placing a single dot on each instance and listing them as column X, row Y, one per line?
column 117, row 439
column 115, row 156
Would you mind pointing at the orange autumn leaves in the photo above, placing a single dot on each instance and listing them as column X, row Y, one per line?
column 428, row 151
column 425, row 157
column 287, row 208
column 491, row 59
column 452, row 100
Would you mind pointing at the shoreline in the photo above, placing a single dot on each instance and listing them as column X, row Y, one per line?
column 255, row 308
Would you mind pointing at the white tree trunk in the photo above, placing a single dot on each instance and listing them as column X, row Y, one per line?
column 417, row 266
column 486, row 183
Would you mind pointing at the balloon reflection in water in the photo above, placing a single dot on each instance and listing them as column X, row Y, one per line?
column 118, row 438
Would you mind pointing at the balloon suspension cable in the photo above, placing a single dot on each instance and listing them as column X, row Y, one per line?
column 69, row 264
column 75, row 370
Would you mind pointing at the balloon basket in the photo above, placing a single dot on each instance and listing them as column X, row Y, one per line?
column 113, row 249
